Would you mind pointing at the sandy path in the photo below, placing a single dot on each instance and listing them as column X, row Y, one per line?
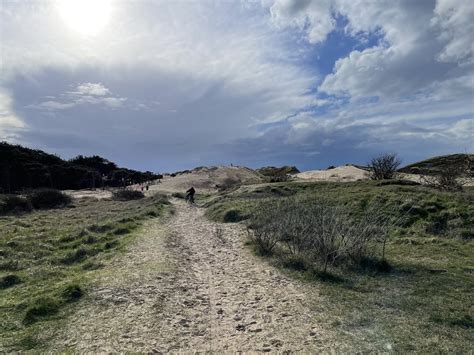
column 192, row 285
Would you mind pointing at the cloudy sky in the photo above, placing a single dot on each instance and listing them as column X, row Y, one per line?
column 168, row 84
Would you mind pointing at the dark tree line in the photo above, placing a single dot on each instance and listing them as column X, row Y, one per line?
column 22, row 168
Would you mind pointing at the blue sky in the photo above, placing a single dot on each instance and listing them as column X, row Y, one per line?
column 165, row 85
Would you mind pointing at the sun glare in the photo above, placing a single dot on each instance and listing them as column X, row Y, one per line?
column 87, row 17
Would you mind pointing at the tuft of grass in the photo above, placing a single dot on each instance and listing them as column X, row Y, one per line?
column 72, row 293
column 9, row 281
column 41, row 308
column 75, row 256
column 370, row 264
column 233, row 216
column 127, row 195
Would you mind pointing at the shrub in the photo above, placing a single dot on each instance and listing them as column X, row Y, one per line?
column 320, row 231
column 384, row 166
column 14, row 204
column 9, row 281
column 127, row 195
column 48, row 198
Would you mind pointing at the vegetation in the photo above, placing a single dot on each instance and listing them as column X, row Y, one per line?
column 23, row 168
column 127, row 195
column 417, row 300
column 284, row 170
column 433, row 165
column 34, row 199
column 48, row 198
column 48, row 259
column 13, row 204
column 384, row 167
column 274, row 174
column 320, row 231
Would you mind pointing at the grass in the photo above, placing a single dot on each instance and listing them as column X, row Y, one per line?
column 49, row 257
column 421, row 301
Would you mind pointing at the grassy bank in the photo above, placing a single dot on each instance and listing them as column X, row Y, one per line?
column 48, row 258
column 424, row 304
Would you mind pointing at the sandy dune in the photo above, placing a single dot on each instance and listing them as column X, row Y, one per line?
column 341, row 173
column 207, row 179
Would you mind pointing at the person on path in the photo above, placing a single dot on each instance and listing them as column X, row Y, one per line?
column 190, row 195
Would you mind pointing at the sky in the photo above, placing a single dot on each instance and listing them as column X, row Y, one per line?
column 165, row 85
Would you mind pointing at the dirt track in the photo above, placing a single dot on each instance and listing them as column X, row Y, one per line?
column 192, row 285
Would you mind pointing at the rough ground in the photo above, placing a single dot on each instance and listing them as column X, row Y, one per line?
column 192, row 285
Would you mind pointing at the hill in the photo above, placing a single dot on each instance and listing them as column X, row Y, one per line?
column 340, row 173
column 24, row 168
column 435, row 164
column 208, row 179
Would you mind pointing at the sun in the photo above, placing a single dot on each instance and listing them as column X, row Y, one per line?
column 87, row 17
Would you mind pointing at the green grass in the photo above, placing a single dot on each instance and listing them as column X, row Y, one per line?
column 424, row 304
column 49, row 257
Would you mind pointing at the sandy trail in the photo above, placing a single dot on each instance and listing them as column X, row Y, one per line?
column 192, row 285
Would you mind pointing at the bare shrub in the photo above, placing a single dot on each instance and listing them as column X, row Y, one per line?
column 384, row 166
column 321, row 231
column 265, row 227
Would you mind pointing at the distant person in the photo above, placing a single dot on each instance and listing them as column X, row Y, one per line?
column 147, row 187
column 190, row 195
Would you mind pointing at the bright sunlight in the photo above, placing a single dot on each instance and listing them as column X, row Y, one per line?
column 87, row 17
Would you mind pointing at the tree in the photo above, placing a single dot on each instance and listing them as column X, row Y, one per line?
column 384, row 166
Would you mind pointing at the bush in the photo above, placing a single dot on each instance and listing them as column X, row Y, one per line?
column 384, row 166
column 48, row 198
column 320, row 231
column 14, row 204
column 127, row 195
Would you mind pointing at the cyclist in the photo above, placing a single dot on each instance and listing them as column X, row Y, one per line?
column 190, row 195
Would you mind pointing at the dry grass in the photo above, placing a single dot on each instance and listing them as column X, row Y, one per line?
column 53, row 254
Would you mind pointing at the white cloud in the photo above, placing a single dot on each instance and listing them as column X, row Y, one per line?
column 94, row 89
column 198, row 73
column 314, row 17
column 9, row 121
column 84, row 94
column 455, row 19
